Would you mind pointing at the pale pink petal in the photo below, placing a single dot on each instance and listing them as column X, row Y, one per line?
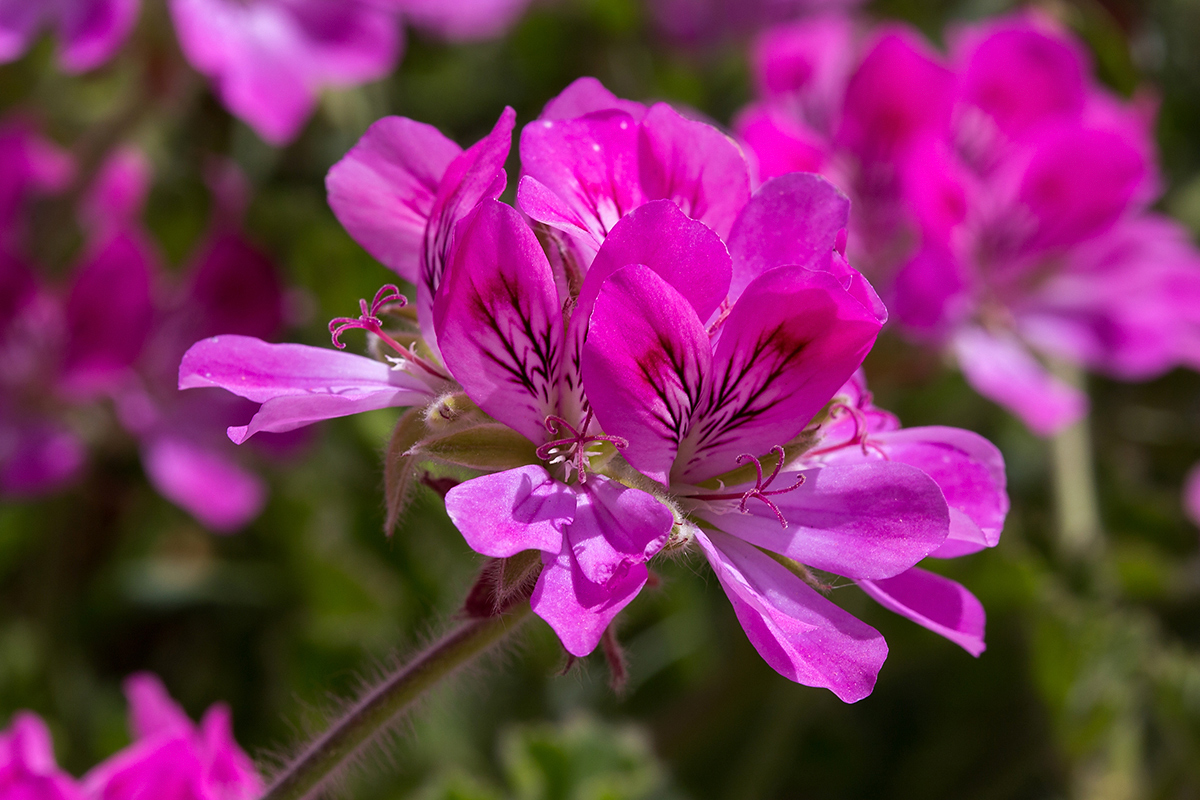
column 510, row 512
column 19, row 23
column 692, row 163
column 118, row 193
column 296, row 384
column 799, row 633
column 644, row 363
column 966, row 467
column 601, row 566
column 867, row 520
column 1002, row 370
column 215, row 490
column 939, row 604
column 384, row 189
column 499, row 320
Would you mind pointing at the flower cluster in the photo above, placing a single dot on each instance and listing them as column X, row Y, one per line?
column 114, row 334
column 999, row 190
column 171, row 758
column 645, row 358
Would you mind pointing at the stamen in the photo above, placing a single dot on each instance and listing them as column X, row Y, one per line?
column 860, row 437
column 574, row 447
column 760, row 490
column 386, row 299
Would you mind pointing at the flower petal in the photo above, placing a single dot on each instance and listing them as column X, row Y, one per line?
column 475, row 175
column 109, row 313
column 692, row 163
column 939, row 604
column 588, row 165
column 384, row 189
column 788, row 345
column 93, row 30
column 509, row 512
column 683, row 252
column 463, row 20
column 601, row 566
column 1002, row 370
column 152, row 712
column 799, row 633
column 296, row 384
column 37, row 457
column 215, row 490
column 499, row 320
column 866, row 520
column 966, row 467
column 792, row 219
column 586, row 95
column 644, row 364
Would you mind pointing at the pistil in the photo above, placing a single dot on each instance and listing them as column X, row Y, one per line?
column 386, row 299
column 760, row 490
column 575, row 446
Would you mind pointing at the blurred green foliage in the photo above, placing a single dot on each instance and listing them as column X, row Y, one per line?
column 1090, row 687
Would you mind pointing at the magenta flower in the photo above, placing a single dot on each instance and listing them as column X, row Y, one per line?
column 503, row 335
column 89, row 31
column 27, row 767
column 1004, row 193
column 698, row 392
column 171, row 757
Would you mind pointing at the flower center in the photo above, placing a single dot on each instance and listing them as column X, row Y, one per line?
column 761, row 490
column 388, row 298
column 573, row 450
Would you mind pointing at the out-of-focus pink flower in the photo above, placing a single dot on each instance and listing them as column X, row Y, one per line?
column 706, row 21
column 1000, row 194
column 89, row 31
column 268, row 60
column 171, row 757
column 27, row 767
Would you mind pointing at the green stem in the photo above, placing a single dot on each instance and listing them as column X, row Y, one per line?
column 1076, row 506
column 379, row 708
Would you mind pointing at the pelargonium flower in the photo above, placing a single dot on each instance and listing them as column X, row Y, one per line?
column 701, row 395
column 269, row 59
column 1005, row 192
column 89, row 31
column 27, row 767
column 171, row 757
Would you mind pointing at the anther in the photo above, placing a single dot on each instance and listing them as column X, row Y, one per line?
column 574, row 447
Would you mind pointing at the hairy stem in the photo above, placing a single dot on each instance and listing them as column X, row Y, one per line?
column 380, row 707
column 1076, row 506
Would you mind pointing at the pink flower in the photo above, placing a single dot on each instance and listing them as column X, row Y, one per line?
column 89, row 31
column 1001, row 193
column 270, row 59
column 171, row 757
column 702, row 391
column 27, row 767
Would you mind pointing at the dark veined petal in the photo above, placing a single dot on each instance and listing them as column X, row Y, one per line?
column 644, row 365
column 499, row 320
column 475, row 175
column 791, row 341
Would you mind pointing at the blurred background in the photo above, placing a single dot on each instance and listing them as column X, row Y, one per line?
column 1090, row 687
